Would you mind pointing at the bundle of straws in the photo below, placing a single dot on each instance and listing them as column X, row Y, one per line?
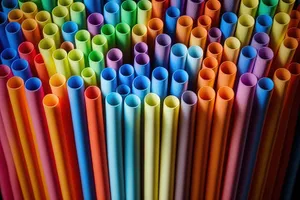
column 161, row 99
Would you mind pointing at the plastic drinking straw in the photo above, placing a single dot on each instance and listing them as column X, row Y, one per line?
column 20, row 68
column 34, row 95
column 69, row 29
column 140, row 47
column 8, row 56
column 100, row 44
column 219, row 134
column 129, row 13
column 278, row 144
column 31, row 31
column 29, row 10
column 108, row 31
column 263, row 23
column 27, row 51
column 263, row 62
column 65, row 3
column 193, row 65
column 123, row 40
column 162, row 50
column 168, row 147
column 83, row 42
column 60, row 58
column 142, row 65
column 12, row 134
column 78, row 111
column 214, row 35
column 212, row 9
column 295, row 33
column 89, row 77
column 215, row 50
column 178, row 56
column 261, row 102
column 281, row 80
column 123, row 90
column 226, row 75
column 244, row 29
column 205, row 106
column 285, row 6
column 96, row 62
column 159, row 82
column 285, row 54
column 16, row 91
column 43, row 18
column 185, row 144
column 132, row 121
column 260, row 40
column 206, row 77
column 230, row 6
column 279, row 29
column 126, row 75
column 112, row 13
column 231, row 49
column 60, row 15
column 3, row 23
column 211, row 63
column 152, row 145
column 198, row 37
column 183, row 29
column 172, row 14
column 52, row 31
column 138, row 34
column 66, row 45
column 53, row 116
column 47, row 47
column 295, row 19
column 78, row 15
column 114, row 58
column 42, row 72
column 97, row 137
column 179, row 82
column 144, row 12
column 114, row 110
column 93, row 6
column 246, row 61
column 141, row 86
column 154, row 28
column 239, row 132
column 228, row 25
column 94, row 23
column 59, row 88
column 204, row 21
column 7, row 6
column 181, row 5
column 48, row 5
column 194, row 8
column 14, row 34
column 108, row 81
column 248, row 7
column 76, row 61
column 158, row 8
column 16, row 15
column 267, row 7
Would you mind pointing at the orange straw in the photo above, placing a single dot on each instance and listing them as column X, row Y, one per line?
column 204, row 21
column 15, row 15
column 198, row 37
column 159, row 8
column 215, row 50
column 212, row 9
column 42, row 72
column 31, row 31
column 154, row 28
column 183, row 29
column 211, row 63
column 295, row 19
column 206, row 77
column 227, row 74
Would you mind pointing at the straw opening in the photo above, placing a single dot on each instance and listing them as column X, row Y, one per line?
column 204, row 20
column 96, row 56
column 15, row 14
column 114, row 99
column 249, row 52
column 111, row 7
column 265, row 53
column 179, row 50
column 82, row 36
column 250, row 3
column 15, row 82
column 180, row 76
column 206, row 93
column 65, row 2
column 210, row 62
column 46, row 43
column 4, row 71
column 226, row 93
column 95, row 19
column 171, row 102
column 39, row 59
column 282, row 74
column 141, row 47
column 261, row 38
column 77, row 7
column 60, row 11
column 126, row 70
column 215, row 48
column 108, row 29
column 248, row 79
column 142, row 59
column 185, row 21
column 246, row 20
column 294, row 33
column 207, row 74
column 199, row 32
column 50, row 29
column 42, row 16
column 8, row 53
column 69, row 27
column 215, row 32
column 129, row 6
column 264, row 20
column 139, row 29
column 155, row 24
column 160, row 73
column 13, row 27
column 141, row 83
column 132, row 100
column 195, row 52
column 87, row 72
column 92, row 92
column 75, row 82
column 59, row 54
column 108, row 74
column 28, row 7
column 29, row 24
column 144, row 5
column 189, row 97
column 75, row 55
column 294, row 68
column 9, row 4
column 213, row 5
column 50, row 100
column 232, row 43
column 290, row 43
column 228, row 67
column 33, row 84
column 19, row 65
column 123, row 89
column 57, row 80
column 265, row 84
column 282, row 18
column 152, row 99
column 229, row 18
column 99, row 40
column 123, row 28
column 114, row 54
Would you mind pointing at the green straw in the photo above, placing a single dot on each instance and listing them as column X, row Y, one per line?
column 77, row 12
column 267, row 7
column 65, row 3
column 128, row 12
column 42, row 18
column 89, row 77
column 83, row 42
column 97, row 63
column 99, row 43
column 47, row 4
column 61, row 62
column 76, row 61
column 123, row 38
column 51, row 30
column 144, row 12
column 60, row 15
column 108, row 31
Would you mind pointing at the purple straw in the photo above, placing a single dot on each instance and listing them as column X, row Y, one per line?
column 162, row 50
column 214, row 35
column 114, row 58
column 140, row 47
column 94, row 23
column 263, row 62
column 194, row 8
column 260, row 40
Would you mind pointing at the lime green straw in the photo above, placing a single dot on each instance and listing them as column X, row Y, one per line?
column 97, row 63
column 61, row 62
column 47, row 47
column 65, row 3
column 76, row 61
column 123, row 38
column 60, row 15
column 108, row 31
column 128, row 12
column 83, row 42
column 267, row 7
column 144, row 12
column 99, row 43
column 51, row 30
column 42, row 18
column 77, row 12
column 89, row 77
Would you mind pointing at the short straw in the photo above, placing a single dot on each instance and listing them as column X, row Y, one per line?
column 31, row 31
column 112, row 13
column 83, row 42
column 108, row 81
column 93, row 6
column 47, row 47
column 138, row 34
column 206, row 77
column 126, row 75
column 248, row 7
column 226, row 75
column 42, row 72
column 267, row 7
column 172, row 14
column 142, row 65
column 263, row 23
column 212, row 9
column 48, row 4
column 159, row 82
column 152, row 146
column 211, row 63
column 162, row 50
column 100, row 44
column 214, row 35
column 140, row 47
column 194, row 8
column 29, row 9
column 285, row 6
column 141, row 86
column 244, row 29
column 42, row 18
column 154, row 28
column 78, row 14
column 246, row 61
column 185, row 145
column 170, row 117
column 228, row 24
column 14, row 34
column 7, row 6
column 123, row 40
column 27, row 51
column 76, row 61
column 20, row 68
column 16, row 15
column 108, row 31
column 219, row 135
column 114, row 58
column 215, row 50
column 231, row 49
column 66, row 45
column 132, row 153
column 123, row 90
column 178, row 56
column 198, row 37
column 78, row 111
column 158, row 8
column 97, row 137
column 60, row 15
column 129, row 12
column 60, row 58
column 183, row 29
column 52, row 31
column 193, row 65
column 144, row 12
column 260, row 40
column 179, row 83
column 263, row 62
column 204, row 21
column 96, row 62
column 3, row 22
column 89, row 77
column 69, row 29
column 94, row 23
column 114, row 110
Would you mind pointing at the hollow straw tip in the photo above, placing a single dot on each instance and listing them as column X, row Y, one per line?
column 33, row 84
column 189, row 98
